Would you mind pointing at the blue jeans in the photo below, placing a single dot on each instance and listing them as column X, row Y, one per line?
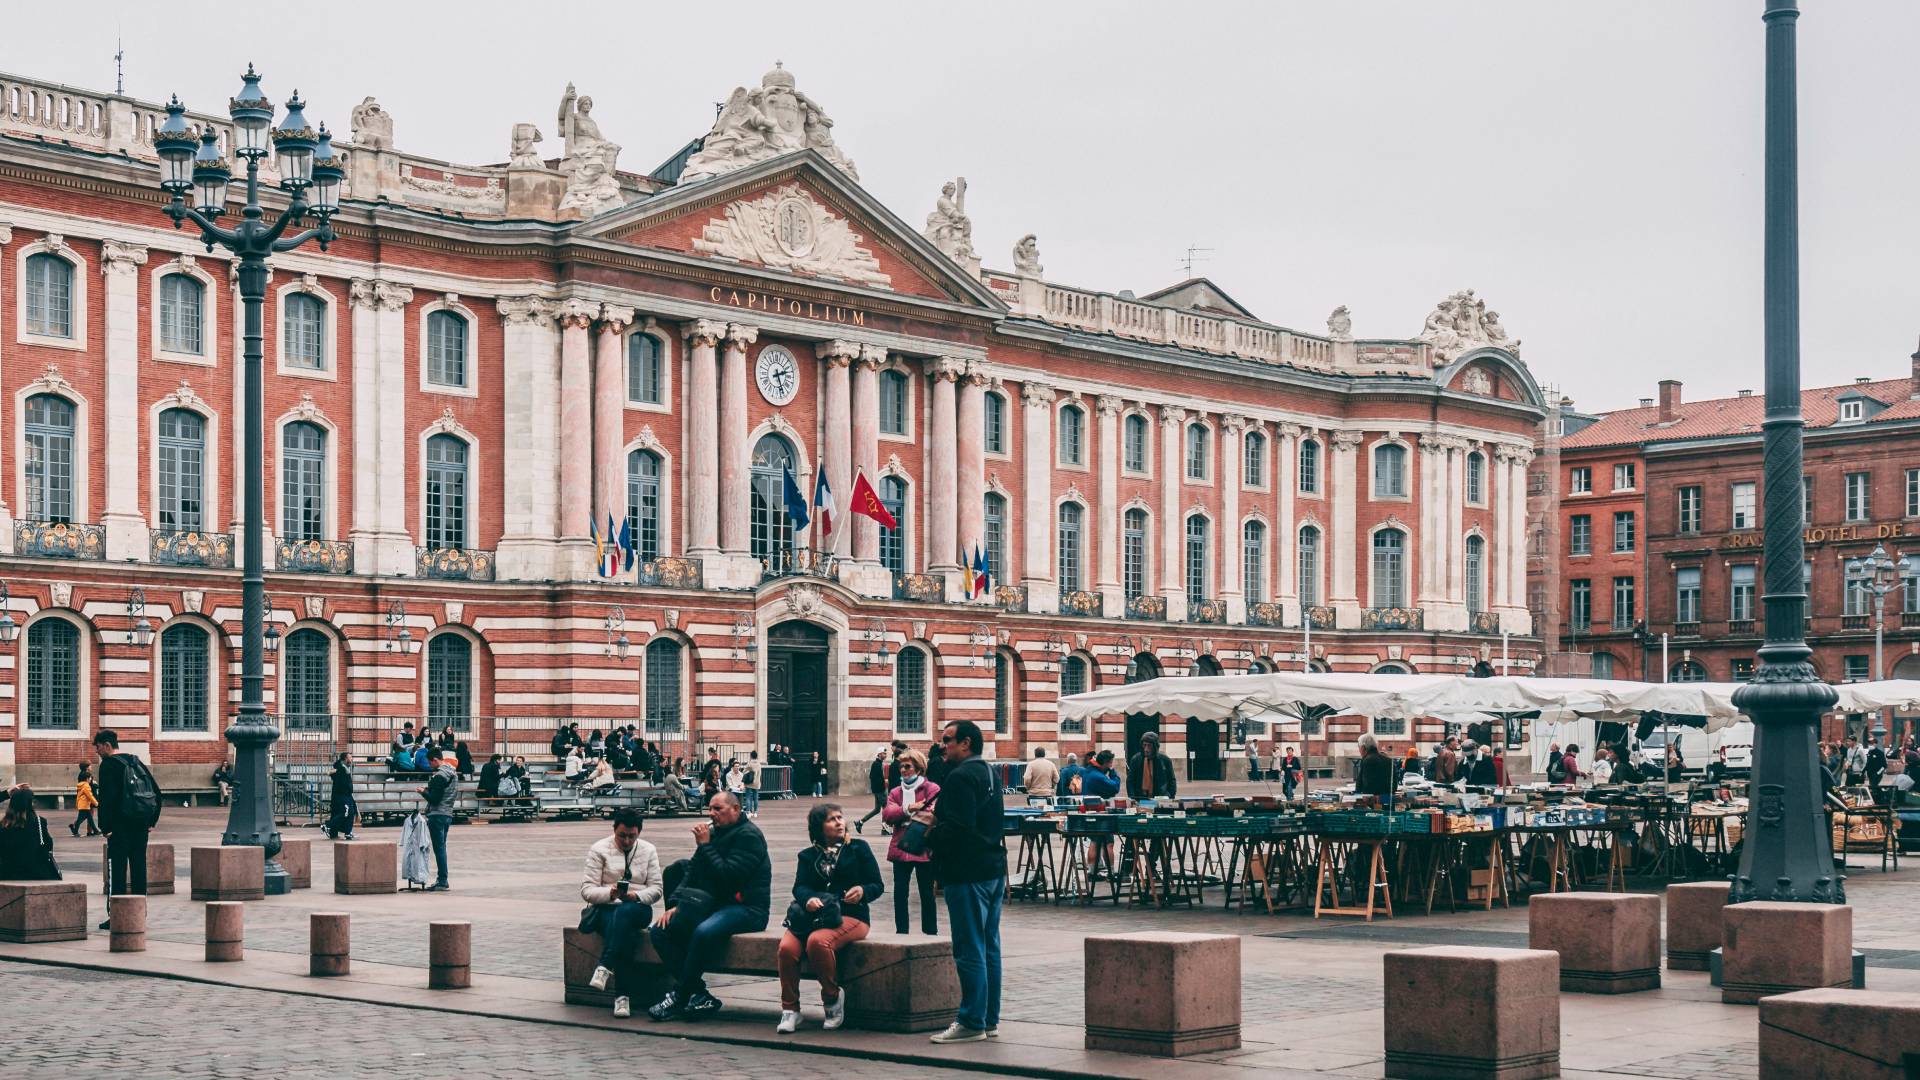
column 707, row 946
column 750, row 800
column 437, row 826
column 973, row 911
column 620, row 928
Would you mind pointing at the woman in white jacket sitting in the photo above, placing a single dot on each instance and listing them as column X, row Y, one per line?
column 622, row 882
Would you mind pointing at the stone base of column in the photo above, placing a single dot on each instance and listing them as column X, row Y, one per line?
column 6, row 530
column 1346, row 614
column 126, row 537
column 382, row 553
column 1113, row 600
column 523, row 559
column 573, row 560
column 1515, row 620
column 1445, row 615
column 1176, row 606
column 868, row 579
column 1236, row 608
column 955, row 581
column 729, row 570
column 1290, row 615
column 1043, row 596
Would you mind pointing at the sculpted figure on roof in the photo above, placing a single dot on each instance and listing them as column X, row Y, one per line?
column 1461, row 323
column 769, row 120
column 948, row 226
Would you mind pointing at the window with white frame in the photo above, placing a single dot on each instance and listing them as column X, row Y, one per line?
column 1073, row 435
column 1477, row 478
column 1580, row 534
column 1580, row 604
column 1690, row 509
column 893, row 542
column 446, row 349
column 48, row 469
column 1913, row 492
column 1859, row 496
column 994, row 515
column 646, row 370
column 1856, row 668
column 893, row 403
column 1858, row 578
column 1688, row 671
column 303, row 482
column 1740, row 592
column 1624, row 538
column 1389, row 471
column 643, row 502
column 910, row 691
column 181, row 464
column 1253, row 453
column 303, row 339
column 49, row 295
column 1580, row 480
column 1623, row 602
column 1476, row 575
column 1197, row 576
column 1389, row 577
column 446, row 492
column 1308, row 560
column 182, row 311
column 1624, row 478
column 1745, row 505
column 1309, row 467
column 1686, row 605
column 1134, row 440
column 1253, row 559
column 1806, row 500
column 995, row 421
column 1133, row 553
column 1197, row 438
column 1851, row 411
column 1068, row 542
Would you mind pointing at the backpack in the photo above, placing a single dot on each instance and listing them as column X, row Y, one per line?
column 1556, row 769
column 140, row 795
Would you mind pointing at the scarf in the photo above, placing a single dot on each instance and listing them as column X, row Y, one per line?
column 908, row 784
column 829, row 859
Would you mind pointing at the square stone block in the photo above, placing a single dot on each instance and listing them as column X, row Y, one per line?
column 1166, row 994
column 1456, row 1013
column 296, row 858
column 1777, row 948
column 1694, row 923
column 365, row 866
column 1609, row 943
column 237, row 872
column 34, row 911
column 160, row 870
column 1857, row 1034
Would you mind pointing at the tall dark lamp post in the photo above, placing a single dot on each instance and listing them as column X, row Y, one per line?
column 308, row 168
column 1788, row 854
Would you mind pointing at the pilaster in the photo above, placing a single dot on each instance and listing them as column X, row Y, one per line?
column 736, row 564
column 577, row 512
column 836, row 435
column 1106, row 518
column 1286, row 482
column 1344, row 495
column 394, row 548
column 1037, row 451
column 609, row 413
column 943, row 474
column 126, row 528
column 866, row 448
column 6, row 515
column 529, row 470
column 703, row 440
column 1233, row 473
column 972, row 467
column 1172, row 577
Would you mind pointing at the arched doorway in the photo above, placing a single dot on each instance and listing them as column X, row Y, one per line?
column 797, row 689
column 1142, row 667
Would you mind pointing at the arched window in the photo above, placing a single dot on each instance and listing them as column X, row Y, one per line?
column 893, row 542
column 1688, row 671
column 1389, row 471
column 1003, row 691
column 645, row 369
column 450, row 682
column 184, row 678
column 910, row 691
column 771, row 531
column 181, row 310
column 1477, row 478
column 446, row 349
column 893, row 403
column 183, row 451
column 1309, row 467
column 1135, row 431
column 1073, row 680
column 1068, row 541
column 53, row 676
column 49, row 465
column 1197, row 576
column 1476, row 575
column 1309, row 563
column 1133, row 553
column 303, row 486
column 1142, row 667
column 1072, row 435
column 996, row 424
column 1204, row 666
column 307, row 692
column 1253, row 457
column 663, row 686
column 49, row 295
column 446, row 492
column 1197, row 451
column 1389, row 569
column 1253, row 558
column 303, row 335
column 643, row 501
column 996, row 538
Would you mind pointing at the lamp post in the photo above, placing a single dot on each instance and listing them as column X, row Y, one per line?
column 307, row 166
column 1788, row 854
column 1883, row 576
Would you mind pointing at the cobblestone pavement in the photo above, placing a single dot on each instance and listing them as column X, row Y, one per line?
column 158, row 1027
column 1735, row 1062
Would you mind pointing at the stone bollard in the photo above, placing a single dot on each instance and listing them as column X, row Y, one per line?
column 449, row 955
column 127, row 918
column 1609, row 943
column 36, row 911
column 1778, row 948
column 365, row 867
column 1465, row 1012
column 226, row 931
column 1695, row 916
column 296, row 858
column 1190, row 1006
column 229, row 872
column 160, row 870
column 329, row 941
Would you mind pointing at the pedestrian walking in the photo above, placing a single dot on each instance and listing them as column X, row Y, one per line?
column 84, row 802
column 344, row 810
column 877, row 787
column 439, row 794
column 970, row 857
column 750, row 784
column 129, row 809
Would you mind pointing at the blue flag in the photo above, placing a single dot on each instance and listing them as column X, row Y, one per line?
column 796, row 501
column 980, row 568
column 626, row 542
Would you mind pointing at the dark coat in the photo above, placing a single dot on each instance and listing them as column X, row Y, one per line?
column 1482, row 773
column 1374, row 776
column 26, row 852
column 967, row 838
column 1165, row 785
column 734, row 867
column 111, row 789
column 857, row 866
column 342, row 778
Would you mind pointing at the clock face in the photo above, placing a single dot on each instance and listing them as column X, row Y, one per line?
column 778, row 375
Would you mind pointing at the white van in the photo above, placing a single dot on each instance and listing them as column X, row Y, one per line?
column 1699, row 748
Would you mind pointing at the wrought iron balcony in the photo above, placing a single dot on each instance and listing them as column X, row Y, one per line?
column 1909, row 619
column 1082, row 602
column 1147, row 607
column 927, row 588
column 170, row 548
column 1011, row 598
column 59, row 540
column 1213, row 612
column 1689, row 629
column 1856, row 622
column 1484, row 622
column 454, row 564
column 313, row 556
column 1393, row 618
column 672, row 573
column 1266, row 615
column 1320, row 617
column 1740, row 626
column 800, row 562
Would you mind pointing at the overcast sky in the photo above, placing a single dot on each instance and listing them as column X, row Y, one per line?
column 1593, row 170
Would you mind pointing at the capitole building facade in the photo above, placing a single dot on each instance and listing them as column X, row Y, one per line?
column 493, row 360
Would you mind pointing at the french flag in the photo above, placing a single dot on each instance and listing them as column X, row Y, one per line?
column 823, row 508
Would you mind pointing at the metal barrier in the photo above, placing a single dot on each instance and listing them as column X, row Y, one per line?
column 776, row 781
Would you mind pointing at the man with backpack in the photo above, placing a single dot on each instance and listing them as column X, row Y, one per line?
column 129, row 809
column 439, row 795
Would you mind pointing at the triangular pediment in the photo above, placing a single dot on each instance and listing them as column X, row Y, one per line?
column 794, row 216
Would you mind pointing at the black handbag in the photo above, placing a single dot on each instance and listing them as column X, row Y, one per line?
column 913, row 839
column 803, row 922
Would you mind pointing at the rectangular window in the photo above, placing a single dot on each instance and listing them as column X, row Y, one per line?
column 1623, row 603
column 1580, row 481
column 1623, row 536
column 995, row 517
column 1196, row 559
column 1689, row 510
column 1133, row 554
column 1913, row 492
column 1255, row 458
column 1742, row 670
column 49, row 296
column 183, row 679
column 1687, row 594
column 1806, row 501
column 1253, row 565
column 1136, row 440
column 1073, row 680
column 1197, row 438
column 1859, row 592
column 1070, row 436
column 1852, row 410
column 910, row 691
column 1309, row 559
column 1740, row 600
column 893, row 403
column 1389, row 472
column 1069, row 580
column 1580, row 534
column 446, row 349
column 1623, row 476
column 1309, row 467
column 1580, row 605
column 1744, row 502
column 996, row 424
column 1857, row 669
column 1910, row 584
column 180, row 314
column 1859, row 496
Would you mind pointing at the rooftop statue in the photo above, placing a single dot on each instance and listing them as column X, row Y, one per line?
column 767, row 121
column 1462, row 323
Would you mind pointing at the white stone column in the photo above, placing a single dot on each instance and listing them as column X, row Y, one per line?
column 836, row 435
column 394, row 547
column 610, row 413
column 866, row 447
column 1036, row 526
column 6, row 515
column 734, row 466
column 365, row 533
column 1286, row 463
column 1454, row 543
column 1173, row 578
column 529, row 470
column 576, row 439
column 1344, row 543
column 1107, row 571
column 1431, row 522
column 126, row 528
column 943, row 467
column 1232, row 473
column 702, row 447
column 972, row 482
column 1512, row 566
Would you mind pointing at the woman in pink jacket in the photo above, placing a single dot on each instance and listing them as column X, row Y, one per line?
column 914, row 794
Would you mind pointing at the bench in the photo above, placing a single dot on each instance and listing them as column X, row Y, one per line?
column 891, row 982
column 37, row 911
column 1853, row 1033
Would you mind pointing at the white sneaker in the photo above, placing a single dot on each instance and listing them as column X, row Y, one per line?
column 993, row 1033
column 789, row 1022
column 622, row 1007
column 959, row 1033
column 836, row 1013
column 601, row 977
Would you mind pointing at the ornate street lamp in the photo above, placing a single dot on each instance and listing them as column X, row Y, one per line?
column 399, row 637
column 141, row 635
column 9, row 629
column 1788, row 853
column 617, row 643
column 270, row 638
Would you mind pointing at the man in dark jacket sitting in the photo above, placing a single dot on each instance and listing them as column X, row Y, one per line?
column 1150, row 773
column 730, row 869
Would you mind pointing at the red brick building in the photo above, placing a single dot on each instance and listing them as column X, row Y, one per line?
column 494, row 359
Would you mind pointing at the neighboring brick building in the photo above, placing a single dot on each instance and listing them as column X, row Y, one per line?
column 492, row 357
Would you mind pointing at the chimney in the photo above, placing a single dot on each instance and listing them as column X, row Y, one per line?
column 1746, row 393
column 1916, row 373
column 1669, row 400
column 1646, row 403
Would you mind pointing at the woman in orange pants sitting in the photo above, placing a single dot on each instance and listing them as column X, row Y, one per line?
column 837, row 879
